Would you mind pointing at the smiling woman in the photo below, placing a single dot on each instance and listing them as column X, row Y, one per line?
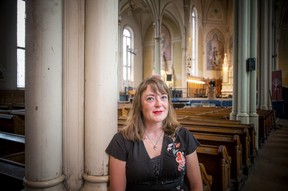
column 152, row 151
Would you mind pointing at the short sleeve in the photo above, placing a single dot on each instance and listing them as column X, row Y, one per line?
column 190, row 142
column 118, row 147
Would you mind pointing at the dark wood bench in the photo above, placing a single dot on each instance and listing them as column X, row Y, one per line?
column 234, row 149
column 217, row 164
column 206, row 179
column 12, row 123
column 212, row 112
column 242, row 132
column 207, row 119
column 12, row 160
column 6, row 123
column 11, row 143
column 227, row 123
column 11, row 175
column 265, row 125
column 12, row 99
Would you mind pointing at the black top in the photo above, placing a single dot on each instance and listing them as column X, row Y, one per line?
column 164, row 172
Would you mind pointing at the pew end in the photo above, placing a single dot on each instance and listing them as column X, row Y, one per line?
column 206, row 179
column 217, row 163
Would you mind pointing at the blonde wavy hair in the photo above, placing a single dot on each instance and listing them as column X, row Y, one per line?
column 135, row 126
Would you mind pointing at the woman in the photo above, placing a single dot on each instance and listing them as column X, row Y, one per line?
column 152, row 151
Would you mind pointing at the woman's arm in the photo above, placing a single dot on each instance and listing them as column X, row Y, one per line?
column 117, row 174
column 193, row 172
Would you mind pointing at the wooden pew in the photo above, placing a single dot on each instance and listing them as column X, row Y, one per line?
column 11, row 99
column 11, row 175
column 12, row 159
column 265, row 124
column 6, row 123
column 212, row 112
column 123, row 109
column 12, row 123
column 206, row 179
column 242, row 132
column 234, row 149
column 207, row 119
column 121, row 122
column 11, row 143
column 229, row 124
column 217, row 163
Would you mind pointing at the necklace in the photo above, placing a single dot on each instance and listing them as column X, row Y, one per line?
column 154, row 145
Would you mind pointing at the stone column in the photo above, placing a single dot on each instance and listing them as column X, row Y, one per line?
column 120, row 57
column 101, row 58
column 253, row 75
column 157, row 57
column 242, row 113
column 264, row 66
column 270, row 50
column 235, row 60
column 43, row 122
column 73, row 93
column 185, row 43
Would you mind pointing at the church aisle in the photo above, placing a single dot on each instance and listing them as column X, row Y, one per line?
column 270, row 170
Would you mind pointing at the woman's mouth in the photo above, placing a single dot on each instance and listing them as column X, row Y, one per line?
column 157, row 112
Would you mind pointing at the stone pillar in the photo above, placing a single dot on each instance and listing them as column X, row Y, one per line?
column 101, row 58
column 43, row 122
column 264, row 66
column 73, row 93
column 254, row 118
column 235, row 60
column 185, row 43
column 270, row 50
column 157, row 57
column 120, row 57
column 242, row 91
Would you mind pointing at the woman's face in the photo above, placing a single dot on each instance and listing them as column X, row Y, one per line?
column 154, row 106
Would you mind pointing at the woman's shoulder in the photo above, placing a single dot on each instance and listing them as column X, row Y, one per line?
column 182, row 130
column 122, row 139
column 119, row 137
column 118, row 146
column 182, row 133
column 188, row 138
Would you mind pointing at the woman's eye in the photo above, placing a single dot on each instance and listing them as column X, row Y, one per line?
column 150, row 99
column 164, row 97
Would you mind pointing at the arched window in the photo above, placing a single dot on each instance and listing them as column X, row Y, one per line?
column 128, row 53
column 194, row 53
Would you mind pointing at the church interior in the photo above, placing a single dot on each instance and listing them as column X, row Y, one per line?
column 65, row 88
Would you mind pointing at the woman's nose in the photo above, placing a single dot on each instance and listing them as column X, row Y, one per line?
column 158, row 101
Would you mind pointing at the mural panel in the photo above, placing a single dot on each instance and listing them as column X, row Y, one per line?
column 215, row 52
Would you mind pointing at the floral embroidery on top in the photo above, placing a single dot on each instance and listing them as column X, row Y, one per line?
column 180, row 158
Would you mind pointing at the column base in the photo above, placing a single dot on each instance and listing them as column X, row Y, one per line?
column 95, row 183
column 56, row 184
column 243, row 117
